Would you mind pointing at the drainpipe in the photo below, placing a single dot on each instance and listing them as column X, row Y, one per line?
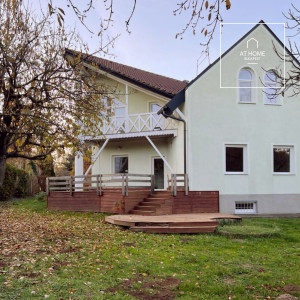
column 161, row 111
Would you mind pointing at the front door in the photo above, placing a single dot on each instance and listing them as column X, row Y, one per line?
column 158, row 170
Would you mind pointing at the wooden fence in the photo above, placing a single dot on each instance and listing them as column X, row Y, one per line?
column 123, row 181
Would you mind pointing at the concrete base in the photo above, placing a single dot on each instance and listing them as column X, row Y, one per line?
column 266, row 203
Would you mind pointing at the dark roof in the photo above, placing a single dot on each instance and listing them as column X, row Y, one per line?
column 159, row 84
column 180, row 98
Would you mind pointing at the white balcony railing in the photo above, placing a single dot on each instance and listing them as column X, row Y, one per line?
column 138, row 123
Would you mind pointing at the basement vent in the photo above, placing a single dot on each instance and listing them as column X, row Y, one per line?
column 245, row 207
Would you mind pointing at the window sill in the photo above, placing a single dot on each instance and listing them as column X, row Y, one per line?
column 275, row 104
column 240, row 102
column 283, row 173
column 236, row 173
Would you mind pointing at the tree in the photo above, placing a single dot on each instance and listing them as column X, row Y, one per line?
column 45, row 96
column 203, row 15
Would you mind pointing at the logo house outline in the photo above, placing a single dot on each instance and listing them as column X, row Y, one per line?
column 252, row 39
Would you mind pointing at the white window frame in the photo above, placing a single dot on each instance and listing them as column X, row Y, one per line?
column 278, row 98
column 245, row 147
column 252, row 88
column 246, row 211
column 292, row 159
column 113, row 161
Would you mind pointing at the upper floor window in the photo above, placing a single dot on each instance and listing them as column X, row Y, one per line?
column 271, row 96
column 245, row 85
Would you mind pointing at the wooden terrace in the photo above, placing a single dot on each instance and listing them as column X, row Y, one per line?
column 134, row 198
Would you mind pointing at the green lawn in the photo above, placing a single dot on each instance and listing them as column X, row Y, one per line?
column 56, row 255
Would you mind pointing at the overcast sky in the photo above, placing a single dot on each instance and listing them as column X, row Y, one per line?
column 152, row 45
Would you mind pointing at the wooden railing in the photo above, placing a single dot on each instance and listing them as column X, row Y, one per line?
column 100, row 182
column 179, row 181
column 123, row 181
column 137, row 123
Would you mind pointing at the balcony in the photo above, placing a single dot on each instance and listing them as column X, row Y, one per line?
column 139, row 125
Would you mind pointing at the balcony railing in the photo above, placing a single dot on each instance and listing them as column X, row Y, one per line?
column 138, row 123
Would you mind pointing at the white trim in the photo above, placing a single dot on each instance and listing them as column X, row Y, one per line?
column 253, row 82
column 245, row 147
column 278, row 97
column 152, row 171
column 161, row 156
column 292, row 159
column 113, row 161
column 96, row 157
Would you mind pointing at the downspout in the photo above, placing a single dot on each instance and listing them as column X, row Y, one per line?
column 161, row 111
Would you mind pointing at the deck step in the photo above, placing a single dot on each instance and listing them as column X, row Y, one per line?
column 149, row 203
column 157, row 200
column 142, row 212
column 146, row 208
column 168, row 229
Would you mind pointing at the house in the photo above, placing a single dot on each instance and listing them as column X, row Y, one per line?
column 226, row 129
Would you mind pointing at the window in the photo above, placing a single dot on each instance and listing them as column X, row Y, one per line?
column 245, row 207
column 283, row 159
column 120, row 164
column 245, row 84
column 270, row 88
column 235, row 159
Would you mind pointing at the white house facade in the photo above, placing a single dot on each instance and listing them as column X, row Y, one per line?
column 241, row 140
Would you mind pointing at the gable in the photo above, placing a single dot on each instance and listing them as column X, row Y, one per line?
column 231, row 62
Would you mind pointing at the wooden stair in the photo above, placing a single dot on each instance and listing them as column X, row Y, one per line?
column 159, row 203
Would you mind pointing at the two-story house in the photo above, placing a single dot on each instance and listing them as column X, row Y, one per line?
column 240, row 140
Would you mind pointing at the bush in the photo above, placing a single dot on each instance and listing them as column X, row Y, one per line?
column 15, row 183
column 41, row 196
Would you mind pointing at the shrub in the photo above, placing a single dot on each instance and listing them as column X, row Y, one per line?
column 41, row 196
column 15, row 183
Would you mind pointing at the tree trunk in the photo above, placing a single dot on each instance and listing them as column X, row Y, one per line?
column 2, row 169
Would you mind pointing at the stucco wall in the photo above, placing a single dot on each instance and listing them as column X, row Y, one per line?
column 215, row 118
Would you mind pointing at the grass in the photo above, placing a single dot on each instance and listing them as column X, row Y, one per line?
column 249, row 230
column 56, row 255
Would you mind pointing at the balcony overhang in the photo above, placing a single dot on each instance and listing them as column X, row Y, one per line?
column 135, row 135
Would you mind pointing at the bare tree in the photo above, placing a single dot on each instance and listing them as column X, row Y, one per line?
column 290, row 81
column 45, row 96
column 203, row 15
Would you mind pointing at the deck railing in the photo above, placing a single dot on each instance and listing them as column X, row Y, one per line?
column 179, row 181
column 100, row 182
column 135, row 123
column 123, row 181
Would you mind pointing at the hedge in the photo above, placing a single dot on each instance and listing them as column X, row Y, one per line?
column 15, row 183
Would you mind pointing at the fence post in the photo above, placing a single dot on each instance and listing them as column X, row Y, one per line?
column 186, row 184
column 175, row 186
column 152, row 184
column 123, row 191
column 71, row 185
column 126, row 188
column 47, row 186
column 100, row 185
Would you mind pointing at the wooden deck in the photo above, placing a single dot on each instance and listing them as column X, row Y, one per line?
column 179, row 223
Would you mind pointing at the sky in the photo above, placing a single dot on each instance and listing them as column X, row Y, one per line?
column 152, row 45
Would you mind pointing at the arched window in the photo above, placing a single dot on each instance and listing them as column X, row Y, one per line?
column 245, row 84
column 270, row 88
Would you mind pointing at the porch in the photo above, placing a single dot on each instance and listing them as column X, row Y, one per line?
column 127, row 194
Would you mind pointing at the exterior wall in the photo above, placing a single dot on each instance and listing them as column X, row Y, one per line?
column 140, row 154
column 215, row 118
column 139, row 151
